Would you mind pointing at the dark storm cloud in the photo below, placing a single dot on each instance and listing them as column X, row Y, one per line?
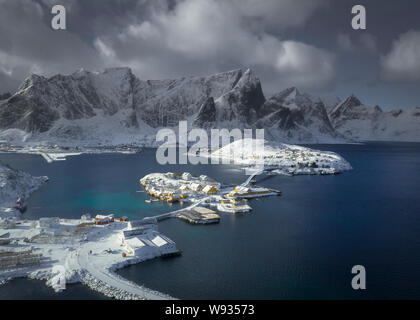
column 305, row 43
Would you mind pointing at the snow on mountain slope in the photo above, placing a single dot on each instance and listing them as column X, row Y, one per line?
column 296, row 117
column 166, row 102
column 363, row 123
column 14, row 184
column 240, row 106
column 40, row 101
column 398, row 125
column 115, row 107
column 330, row 103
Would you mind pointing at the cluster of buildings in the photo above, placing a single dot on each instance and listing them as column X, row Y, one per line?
column 173, row 187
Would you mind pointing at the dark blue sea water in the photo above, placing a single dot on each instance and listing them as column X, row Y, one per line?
column 301, row 245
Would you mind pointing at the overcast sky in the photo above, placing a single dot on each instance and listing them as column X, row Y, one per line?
column 304, row 43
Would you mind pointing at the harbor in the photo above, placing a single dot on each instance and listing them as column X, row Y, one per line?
column 201, row 192
column 91, row 248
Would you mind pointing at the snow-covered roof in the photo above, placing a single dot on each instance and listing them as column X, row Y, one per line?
column 209, row 187
column 196, row 186
column 135, row 243
column 159, row 241
column 204, row 210
column 100, row 216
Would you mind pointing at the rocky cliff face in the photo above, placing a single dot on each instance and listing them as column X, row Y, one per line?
column 241, row 106
column 40, row 101
column 295, row 116
column 161, row 103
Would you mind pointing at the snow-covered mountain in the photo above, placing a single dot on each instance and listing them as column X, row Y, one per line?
column 358, row 122
column 114, row 107
column 14, row 184
column 294, row 116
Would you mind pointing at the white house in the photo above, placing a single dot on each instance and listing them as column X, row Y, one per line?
column 138, row 248
column 186, row 176
column 165, row 245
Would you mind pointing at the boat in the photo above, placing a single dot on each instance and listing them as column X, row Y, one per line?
column 151, row 200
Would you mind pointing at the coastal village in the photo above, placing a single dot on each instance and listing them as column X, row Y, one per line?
column 202, row 193
column 90, row 249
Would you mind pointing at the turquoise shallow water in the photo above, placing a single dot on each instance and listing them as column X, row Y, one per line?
column 301, row 245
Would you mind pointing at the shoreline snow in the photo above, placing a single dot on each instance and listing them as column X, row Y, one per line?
column 87, row 253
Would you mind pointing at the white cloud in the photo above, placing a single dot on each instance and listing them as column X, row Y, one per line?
column 163, row 39
column 29, row 45
column 305, row 65
column 203, row 36
column 402, row 63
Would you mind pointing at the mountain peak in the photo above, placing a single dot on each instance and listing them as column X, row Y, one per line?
column 348, row 104
column 32, row 79
column 353, row 101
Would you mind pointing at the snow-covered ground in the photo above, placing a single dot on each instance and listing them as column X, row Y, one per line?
column 82, row 251
column 281, row 158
